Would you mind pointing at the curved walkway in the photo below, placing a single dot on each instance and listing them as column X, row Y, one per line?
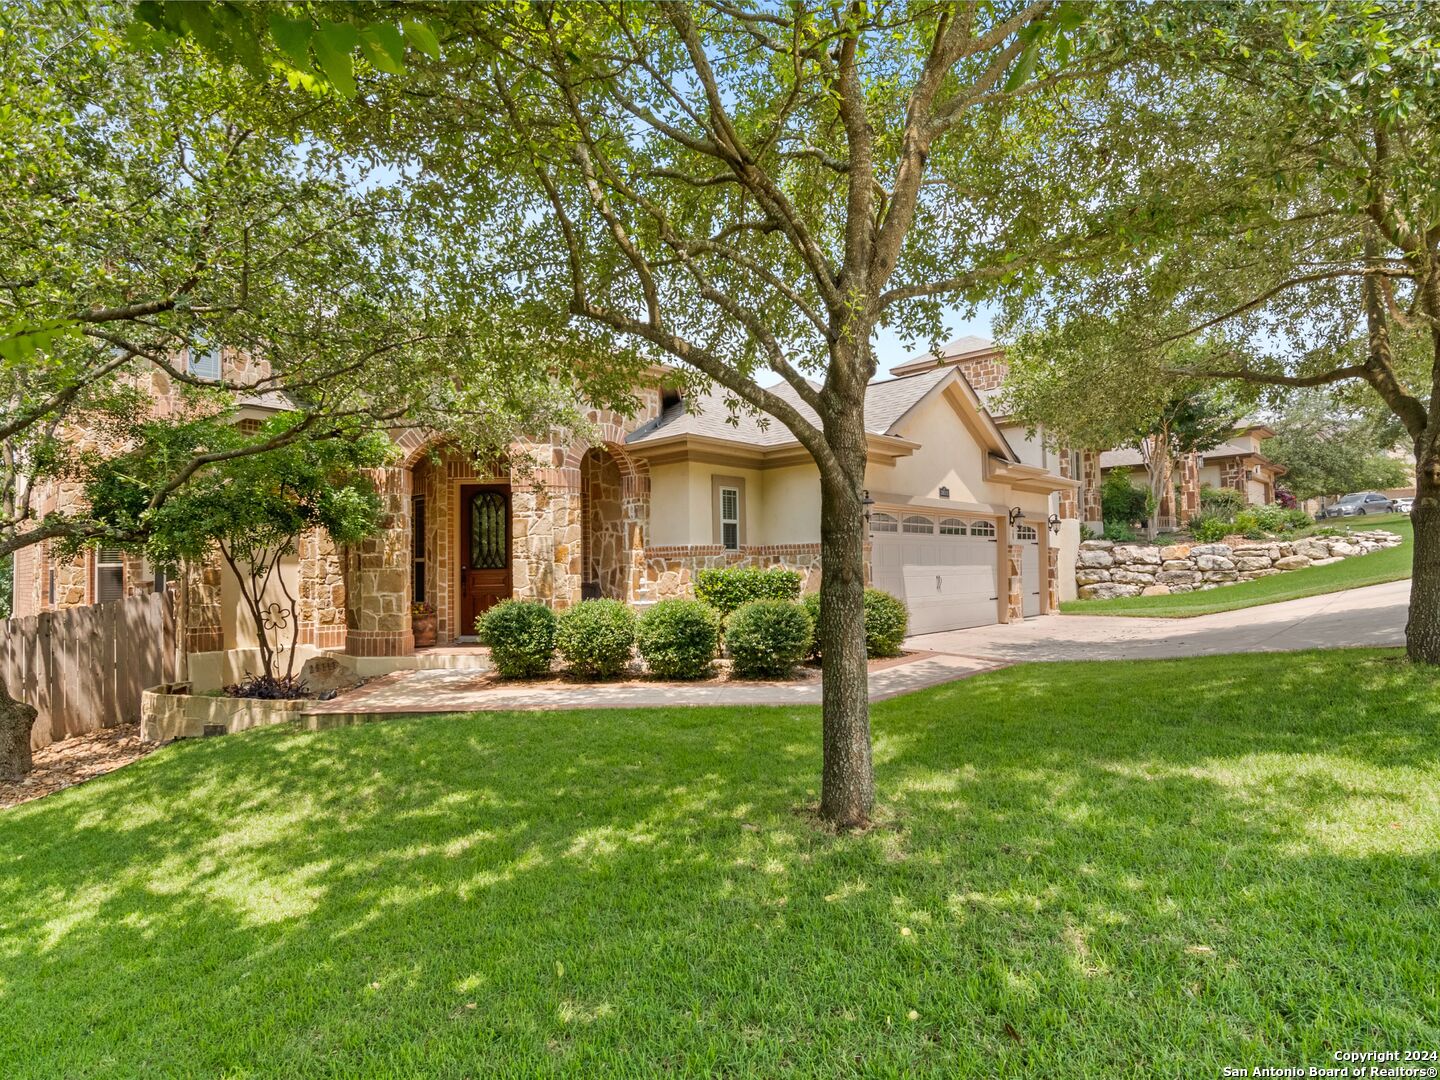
column 1373, row 616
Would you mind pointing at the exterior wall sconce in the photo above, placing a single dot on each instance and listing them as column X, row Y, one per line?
column 1054, row 522
column 1016, row 516
column 867, row 502
column 944, row 493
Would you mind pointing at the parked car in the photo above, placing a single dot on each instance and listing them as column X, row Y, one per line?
column 1405, row 505
column 1358, row 504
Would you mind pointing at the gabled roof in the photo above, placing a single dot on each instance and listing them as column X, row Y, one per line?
column 966, row 347
column 1130, row 457
column 705, row 416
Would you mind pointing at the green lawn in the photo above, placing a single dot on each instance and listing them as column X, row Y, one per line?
column 1390, row 565
column 1104, row 869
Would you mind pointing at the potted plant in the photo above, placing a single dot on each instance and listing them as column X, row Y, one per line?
column 422, row 622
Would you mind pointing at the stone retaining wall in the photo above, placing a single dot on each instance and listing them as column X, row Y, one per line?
column 1105, row 570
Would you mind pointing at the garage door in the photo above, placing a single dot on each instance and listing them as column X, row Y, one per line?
column 944, row 568
column 1029, row 541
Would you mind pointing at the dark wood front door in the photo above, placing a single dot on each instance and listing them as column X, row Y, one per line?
column 484, row 551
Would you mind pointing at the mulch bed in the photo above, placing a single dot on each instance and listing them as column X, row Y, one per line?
column 75, row 760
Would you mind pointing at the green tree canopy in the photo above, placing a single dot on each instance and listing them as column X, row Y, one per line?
column 1286, row 164
column 251, row 507
column 748, row 192
column 1330, row 450
column 157, row 204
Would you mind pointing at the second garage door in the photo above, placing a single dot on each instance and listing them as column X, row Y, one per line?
column 944, row 568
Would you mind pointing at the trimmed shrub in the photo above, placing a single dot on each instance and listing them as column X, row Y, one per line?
column 1209, row 529
column 521, row 637
column 730, row 587
column 679, row 638
column 1118, row 532
column 768, row 637
column 1278, row 518
column 811, row 603
column 595, row 638
column 1247, row 523
column 1223, row 503
column 886, row 620
column 1123, row 502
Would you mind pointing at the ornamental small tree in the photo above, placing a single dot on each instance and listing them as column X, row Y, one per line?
column 252, row 508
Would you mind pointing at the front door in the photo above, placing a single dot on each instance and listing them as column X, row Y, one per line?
column 484, row 551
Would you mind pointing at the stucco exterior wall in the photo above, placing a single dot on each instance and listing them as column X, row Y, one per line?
column 1030, row 450
column 235, row 618
column 940, row 461
column 790, row 506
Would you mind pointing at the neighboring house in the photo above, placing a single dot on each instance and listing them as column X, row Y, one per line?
column 967, row 526
column 1239, row 463
column 43, row 582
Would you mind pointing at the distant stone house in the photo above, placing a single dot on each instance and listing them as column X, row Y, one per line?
column 1239, row 463
column 969, row 524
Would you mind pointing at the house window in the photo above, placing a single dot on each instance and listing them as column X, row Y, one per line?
column 952, row 527
column 204, row 363
column 730, row 518
column 417, row 548
column 109, row 575
column 886, row 523
column 983, row 528
column 914, row 523
column 1024, row 532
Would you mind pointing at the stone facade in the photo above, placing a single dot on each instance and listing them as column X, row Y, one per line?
column 1069, row 506
column 1189, row 486
column 986, row 372
column 1015, row 591
column 201, row 606
column 377, row 588
column 1090, row 510
column 1105, row 570
column 1053, row 579
column 670, row 571
column 1232, row 474
column 606, row 570
column 321, row 601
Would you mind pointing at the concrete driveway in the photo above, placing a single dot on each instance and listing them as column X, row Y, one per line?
column 1372, row 616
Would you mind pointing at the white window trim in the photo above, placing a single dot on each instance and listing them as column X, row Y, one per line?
column 730, row 519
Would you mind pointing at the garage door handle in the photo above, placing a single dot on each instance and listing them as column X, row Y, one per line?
column 937, row 582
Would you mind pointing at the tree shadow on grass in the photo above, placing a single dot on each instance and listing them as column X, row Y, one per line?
column 1168, row 872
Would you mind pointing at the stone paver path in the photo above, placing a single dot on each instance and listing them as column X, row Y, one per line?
column 448, row 690
column 1373, row 616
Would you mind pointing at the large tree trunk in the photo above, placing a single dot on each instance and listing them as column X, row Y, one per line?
column 847, row 792
column 16, row 720
column 1422, row 632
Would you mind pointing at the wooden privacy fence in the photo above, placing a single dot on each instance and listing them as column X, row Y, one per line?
column 83, row 668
